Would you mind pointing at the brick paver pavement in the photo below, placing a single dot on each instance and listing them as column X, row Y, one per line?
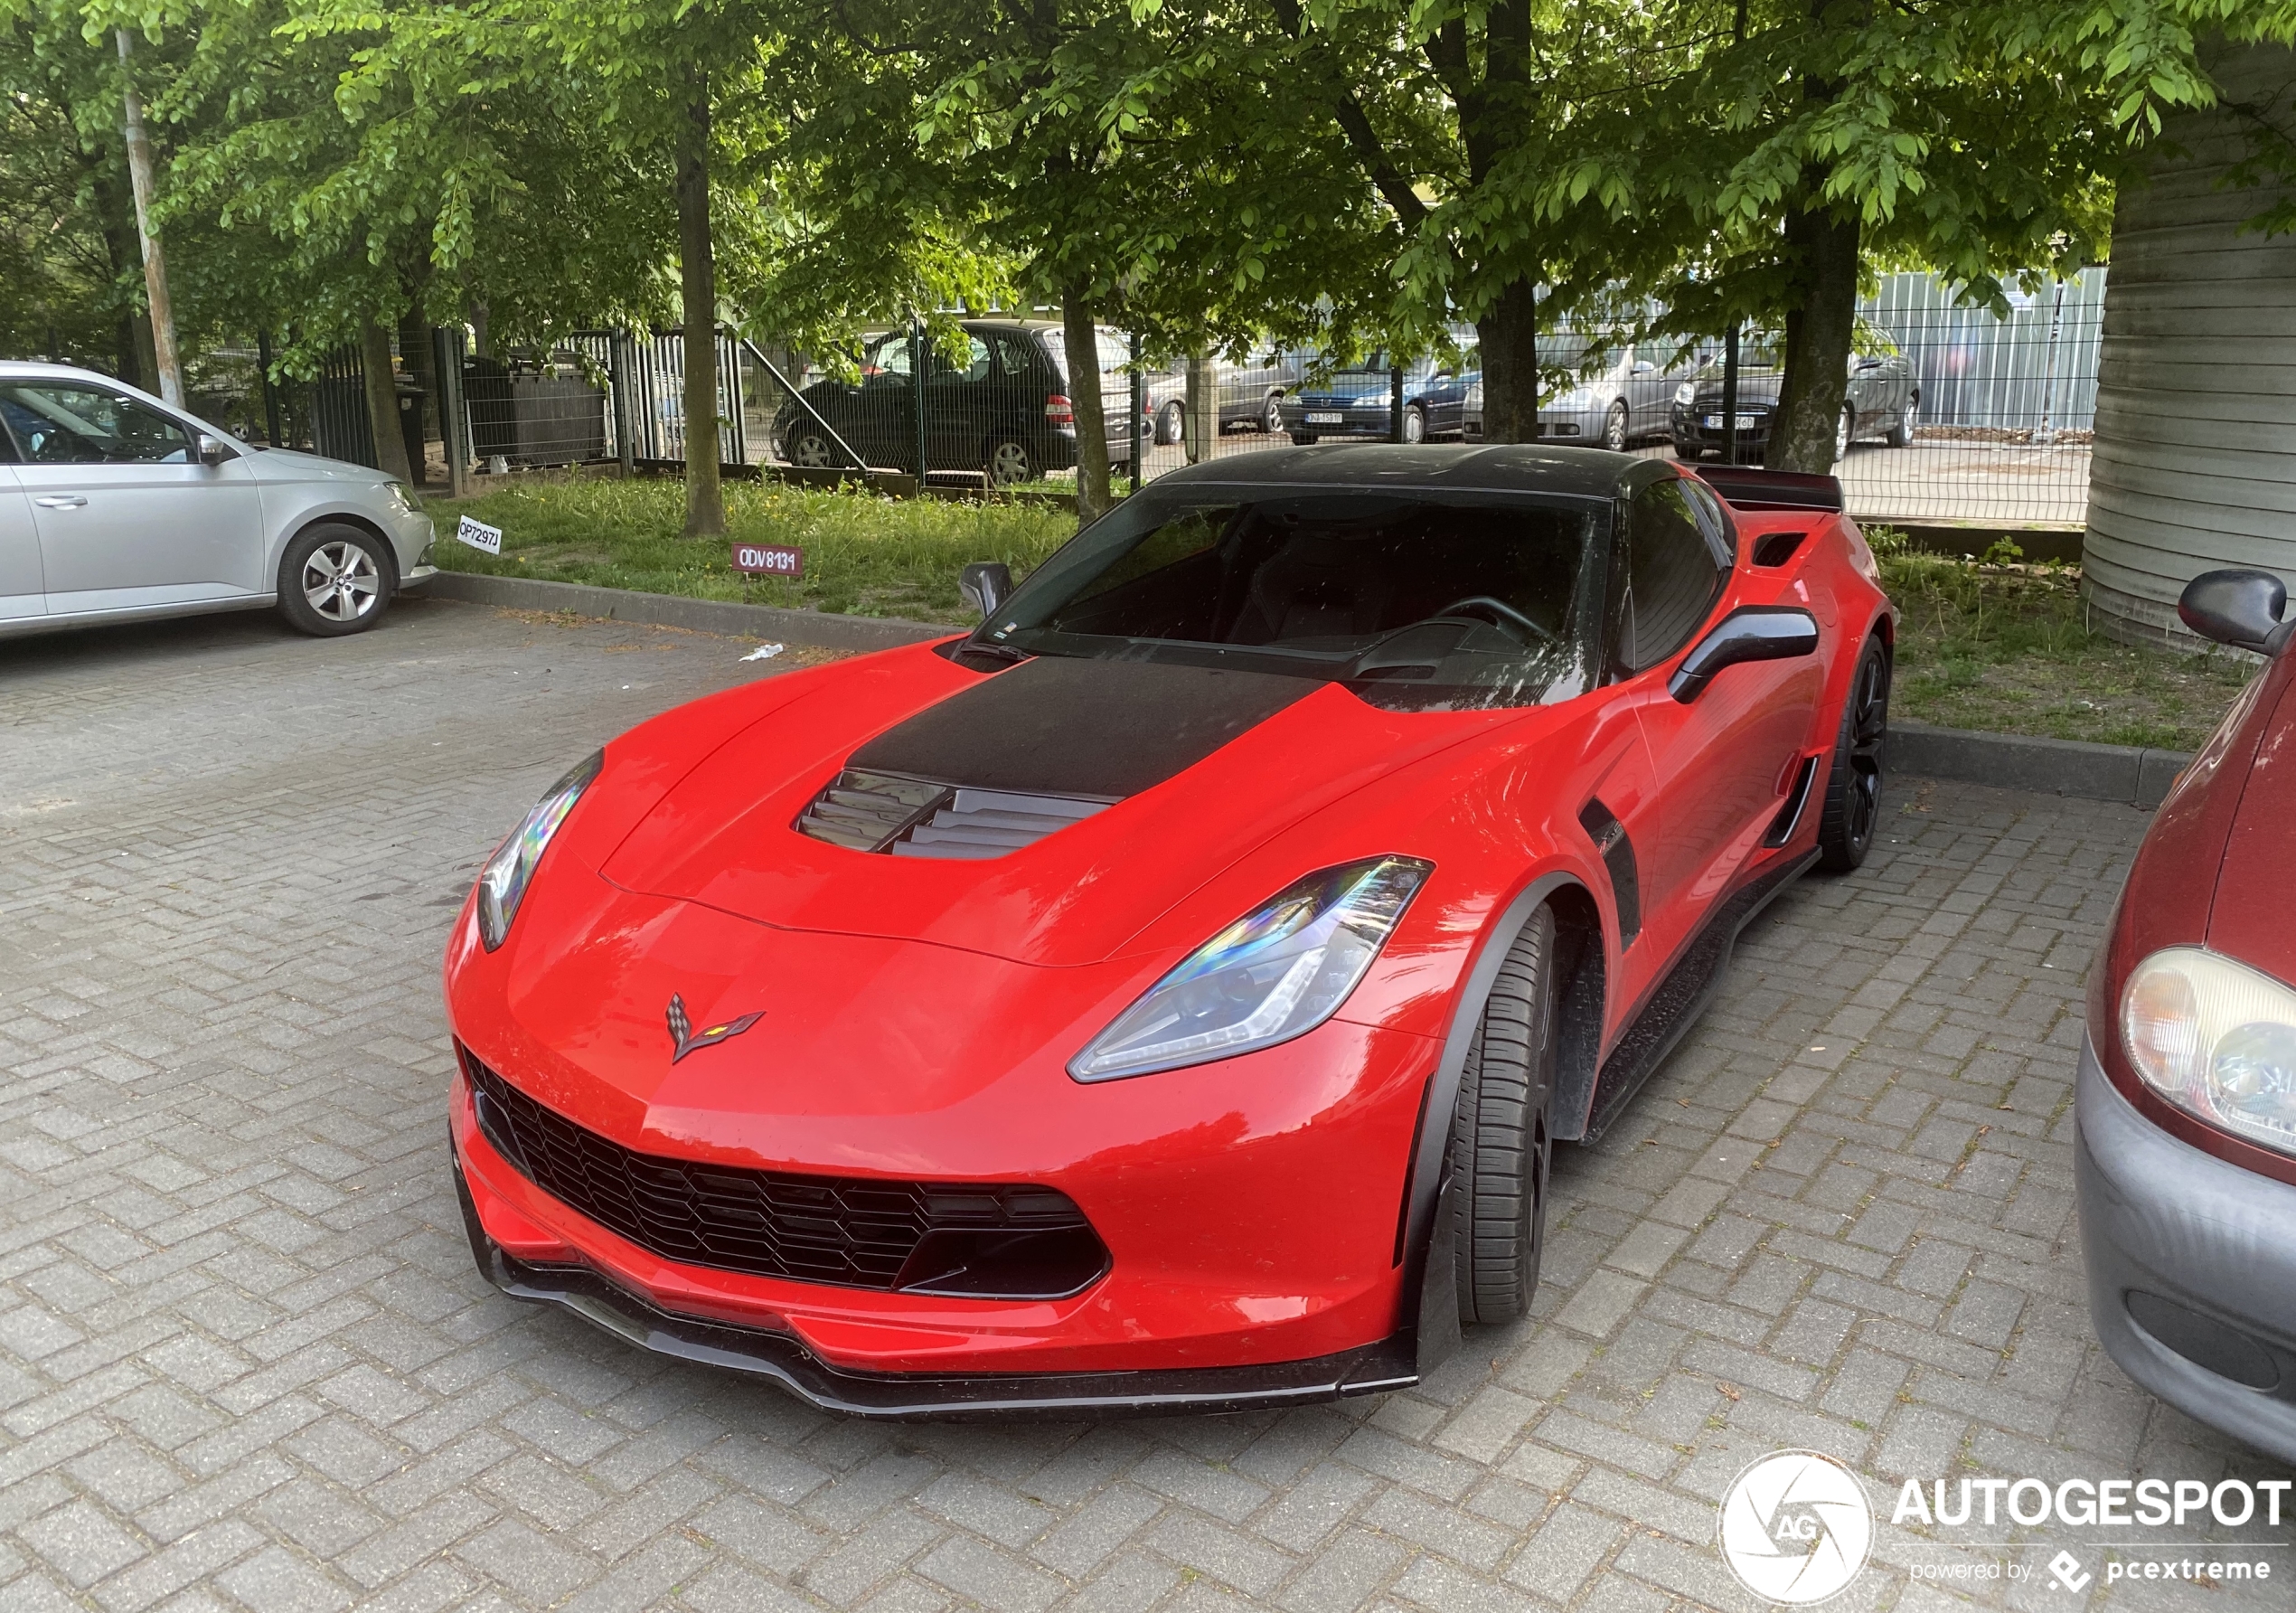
column 245, row 1361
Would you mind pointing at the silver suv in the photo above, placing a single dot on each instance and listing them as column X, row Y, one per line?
column 116, row 507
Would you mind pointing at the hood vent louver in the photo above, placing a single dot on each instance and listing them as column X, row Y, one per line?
column 919, row 818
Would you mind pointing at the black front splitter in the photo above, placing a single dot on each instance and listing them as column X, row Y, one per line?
column 781, row 1357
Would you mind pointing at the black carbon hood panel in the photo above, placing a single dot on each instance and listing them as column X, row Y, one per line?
column 1057, row 726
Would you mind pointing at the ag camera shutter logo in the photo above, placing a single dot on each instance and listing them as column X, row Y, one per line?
column 1796, row 1527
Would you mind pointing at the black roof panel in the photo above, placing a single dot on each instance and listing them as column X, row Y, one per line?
column 1513, row 467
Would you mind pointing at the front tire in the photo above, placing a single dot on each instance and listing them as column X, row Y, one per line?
column 1615, row 429
column 1271, row 418
column 1860, row 751
column 1415, row 424
column 1845, row 433
column 335, row 579
column 1501, row 1138
column 1172, row 426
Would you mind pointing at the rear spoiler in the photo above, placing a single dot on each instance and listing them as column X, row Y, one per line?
column 1750, row 487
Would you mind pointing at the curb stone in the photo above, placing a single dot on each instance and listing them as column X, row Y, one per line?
column 2140, row 776
column 669, row 610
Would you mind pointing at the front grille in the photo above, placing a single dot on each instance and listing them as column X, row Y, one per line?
column 917, row 817
column 856, row 1231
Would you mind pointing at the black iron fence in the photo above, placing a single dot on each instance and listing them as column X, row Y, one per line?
column 1956, row 417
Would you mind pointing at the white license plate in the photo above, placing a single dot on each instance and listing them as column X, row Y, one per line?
column 1714, row 421
column 1327, row 419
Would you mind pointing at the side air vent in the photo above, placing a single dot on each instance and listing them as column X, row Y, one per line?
column 1617, row 851
column 1776, row 548
column 918, row 818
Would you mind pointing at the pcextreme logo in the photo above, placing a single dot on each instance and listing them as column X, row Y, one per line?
column 1796, row 1527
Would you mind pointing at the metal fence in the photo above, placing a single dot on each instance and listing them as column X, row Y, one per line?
column 1990, row 425
column 1987, row 424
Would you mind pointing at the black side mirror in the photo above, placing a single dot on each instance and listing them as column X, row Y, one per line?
column 985, row 585
column 1750, row 633
column 2240, row 608
column 211, row 450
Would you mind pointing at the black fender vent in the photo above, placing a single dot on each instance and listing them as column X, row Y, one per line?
column 865, row 811
column 1617, row 851
column 984, row 1239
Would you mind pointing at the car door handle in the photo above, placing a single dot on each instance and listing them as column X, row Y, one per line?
column 60, row 501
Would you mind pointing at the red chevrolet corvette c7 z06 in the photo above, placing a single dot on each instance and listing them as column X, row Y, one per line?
column 1168, row 994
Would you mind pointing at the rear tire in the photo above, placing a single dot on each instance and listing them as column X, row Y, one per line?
column 808, row 449
column 1901, row 430
column 1853, row 783
column 1501, row 1140
column 1009, row 463
column 335, row 579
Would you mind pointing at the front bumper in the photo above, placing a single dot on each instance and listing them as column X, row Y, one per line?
column 2191, row 1267
column 1693, row 435
column 780, row 1357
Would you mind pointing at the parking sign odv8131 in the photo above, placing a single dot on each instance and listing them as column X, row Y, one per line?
column 769, row 560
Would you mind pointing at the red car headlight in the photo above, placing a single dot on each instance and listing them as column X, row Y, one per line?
column 1277, row 973
column 502, row 883
column 2217, row 1039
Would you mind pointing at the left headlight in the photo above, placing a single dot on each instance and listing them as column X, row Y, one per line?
column 1686, row 393
column 1277, row 973
column 2217, row 1039
column 399, row 496
column 502, row 883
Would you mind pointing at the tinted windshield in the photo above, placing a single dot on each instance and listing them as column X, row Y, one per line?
column 1423, row 601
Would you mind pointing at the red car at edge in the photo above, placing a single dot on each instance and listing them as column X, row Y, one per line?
column 1169, row 993
column 2186, row 1167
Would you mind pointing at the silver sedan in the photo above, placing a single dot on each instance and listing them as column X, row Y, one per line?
column 116, row 507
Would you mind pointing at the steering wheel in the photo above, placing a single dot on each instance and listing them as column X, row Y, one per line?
column 1498, row 612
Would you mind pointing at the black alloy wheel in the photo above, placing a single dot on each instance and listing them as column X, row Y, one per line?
column 1502, row 1136
column 1853, row 784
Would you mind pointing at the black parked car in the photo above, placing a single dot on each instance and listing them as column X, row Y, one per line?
column 1884, row 400
column 1000, row 406
column 1356, row 401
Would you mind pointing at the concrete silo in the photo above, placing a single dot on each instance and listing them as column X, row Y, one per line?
column 2194, row 460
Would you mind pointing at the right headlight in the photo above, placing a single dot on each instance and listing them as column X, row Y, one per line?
column 1277, row 973
column 502, row 883
column 2217, row 1039
column 1686, row 393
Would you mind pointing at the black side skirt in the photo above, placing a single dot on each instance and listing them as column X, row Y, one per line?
column 1370, row 1368
column 1674, row 1007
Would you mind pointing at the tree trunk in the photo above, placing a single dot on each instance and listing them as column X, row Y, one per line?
column 1818, row 333
column 414, row 348
column 705, row 498
column 1201, row 428
column 139, row 169
column 382, row 401
column 1080, row 343
column 1509, row 337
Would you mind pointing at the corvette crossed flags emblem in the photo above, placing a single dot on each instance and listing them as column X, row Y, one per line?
column 684, row 1039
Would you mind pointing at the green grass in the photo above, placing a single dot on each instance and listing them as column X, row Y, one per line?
column 864, row 555
column 2001, row 645
column 2009, row 648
